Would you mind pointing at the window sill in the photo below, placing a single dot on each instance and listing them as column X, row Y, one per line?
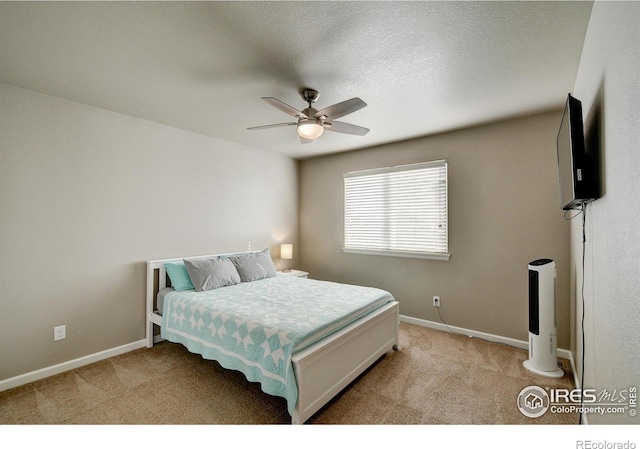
column 409, row 254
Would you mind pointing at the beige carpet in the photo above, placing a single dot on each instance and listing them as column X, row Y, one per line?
column 434, row 378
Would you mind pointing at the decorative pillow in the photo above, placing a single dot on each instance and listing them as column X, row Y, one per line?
column 254, row 266
column 178, row 276
column 207, row 274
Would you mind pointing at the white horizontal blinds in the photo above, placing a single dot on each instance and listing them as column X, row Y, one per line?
column 397, row 209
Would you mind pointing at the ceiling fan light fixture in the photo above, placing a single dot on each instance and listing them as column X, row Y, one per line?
column 311, row 123
column 310, row 129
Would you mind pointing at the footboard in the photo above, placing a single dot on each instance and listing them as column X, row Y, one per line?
column 326, row 368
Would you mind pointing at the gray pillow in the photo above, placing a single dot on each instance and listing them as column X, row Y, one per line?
column 207, row 274
column 254, row 266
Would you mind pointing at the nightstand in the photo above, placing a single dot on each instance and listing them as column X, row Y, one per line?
column 298, row 273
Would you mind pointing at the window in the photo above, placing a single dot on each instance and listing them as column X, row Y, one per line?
column 397, row 211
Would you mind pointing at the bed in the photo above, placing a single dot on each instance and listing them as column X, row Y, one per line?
column 308, row 340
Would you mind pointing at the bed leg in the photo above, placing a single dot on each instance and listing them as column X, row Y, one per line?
column 149, row 305
column 149, row 332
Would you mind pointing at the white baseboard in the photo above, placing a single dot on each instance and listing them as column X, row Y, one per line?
column 564, row 353
column 67, row 366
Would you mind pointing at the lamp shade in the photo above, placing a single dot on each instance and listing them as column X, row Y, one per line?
column 310, row 129
column 286, row 251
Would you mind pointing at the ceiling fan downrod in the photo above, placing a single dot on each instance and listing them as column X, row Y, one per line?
column 310, row 96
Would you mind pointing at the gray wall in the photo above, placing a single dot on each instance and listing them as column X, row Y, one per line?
column 504, row 212
column 87, row 196
column 608, row 83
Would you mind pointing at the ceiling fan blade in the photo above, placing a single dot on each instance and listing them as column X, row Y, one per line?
column 284, row 107
column 341, row 109
column 275, row 125
column 346, row 128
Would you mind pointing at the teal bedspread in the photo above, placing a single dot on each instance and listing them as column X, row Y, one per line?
column 256, row 327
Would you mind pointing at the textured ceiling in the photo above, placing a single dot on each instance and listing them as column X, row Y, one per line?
column 422, row 67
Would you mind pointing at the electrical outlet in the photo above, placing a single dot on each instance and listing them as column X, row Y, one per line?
column 59, row 333
column 436, row 301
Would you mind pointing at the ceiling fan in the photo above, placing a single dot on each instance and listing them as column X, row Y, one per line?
column 312, row 123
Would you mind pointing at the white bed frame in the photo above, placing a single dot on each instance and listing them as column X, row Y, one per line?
column 323, row 369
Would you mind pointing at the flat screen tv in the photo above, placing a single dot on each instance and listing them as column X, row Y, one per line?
column 577, row 171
